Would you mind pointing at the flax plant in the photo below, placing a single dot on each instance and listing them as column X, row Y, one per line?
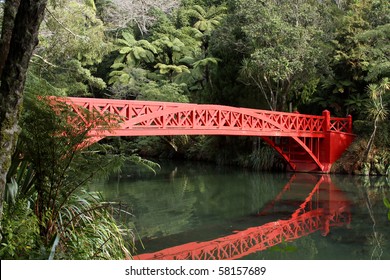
column 49, row 170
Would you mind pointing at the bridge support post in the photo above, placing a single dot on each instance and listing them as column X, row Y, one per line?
column 334, row 143
column 325, row 154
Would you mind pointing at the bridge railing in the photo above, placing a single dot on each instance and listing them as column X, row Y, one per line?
column 294, row 121
column 341, row 124
column 336, row 124
column 151, row 114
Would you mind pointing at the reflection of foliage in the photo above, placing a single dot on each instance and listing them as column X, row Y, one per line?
column 285, row 247
column 184, row 197
column 376, row 240
column 387, row 204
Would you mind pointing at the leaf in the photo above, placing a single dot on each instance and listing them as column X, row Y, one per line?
column 124, row 78
column 125, row 50
column 149, row 57
column 53, row 248
column 12, row 191
column 137, row 52
column 124, row 42
column 128, row 37
column 386, row 202
column 117, row 65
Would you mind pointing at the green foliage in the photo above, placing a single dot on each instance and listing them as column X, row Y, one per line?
column 376, row 108
column 87, row 230
column 163, row 91
column 356, row 103
column 374, row 45
column 386, row 202
column 263, row 158
column 206, row 20
column 49, row 170
column 203, row 148
column 78, row 34
column 134, row 51
column 359, row 53
column 171, row 69
column 20, row 230
column 71, row 43
column 146, row 164
column 283, row 55
column 177, row 54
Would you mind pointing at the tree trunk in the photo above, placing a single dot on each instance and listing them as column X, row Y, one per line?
column 371, row 141
column 10, row 10
column 16, row 52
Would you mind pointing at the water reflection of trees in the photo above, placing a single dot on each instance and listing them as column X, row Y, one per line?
column 323, row 207
column 188, row 201
column 186, row 197
column 369, row 209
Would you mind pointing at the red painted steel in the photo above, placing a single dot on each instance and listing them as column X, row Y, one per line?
column 324, row 207
column 304, row 141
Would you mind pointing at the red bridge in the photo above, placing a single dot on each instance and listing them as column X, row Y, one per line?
column 307, row 143
column 324, row 207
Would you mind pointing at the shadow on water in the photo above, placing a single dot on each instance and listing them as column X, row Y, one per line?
column 190, row 211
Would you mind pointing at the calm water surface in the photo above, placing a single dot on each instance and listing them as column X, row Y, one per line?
column 204, row 211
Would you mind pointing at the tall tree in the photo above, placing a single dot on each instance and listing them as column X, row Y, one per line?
column 282, row 37
column 19, row 37
column 72, row 43
column 206, row 21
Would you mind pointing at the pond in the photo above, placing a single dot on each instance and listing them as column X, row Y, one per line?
column 201, row 211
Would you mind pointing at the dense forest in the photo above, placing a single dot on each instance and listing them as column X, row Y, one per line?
column 296, row 55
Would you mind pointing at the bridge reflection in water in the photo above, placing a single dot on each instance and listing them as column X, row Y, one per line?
column 324, row 207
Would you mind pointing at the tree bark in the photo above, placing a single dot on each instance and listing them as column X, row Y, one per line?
column 10, row 10
column 18, row 41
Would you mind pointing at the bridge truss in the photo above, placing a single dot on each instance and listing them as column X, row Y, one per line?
column 306, row 142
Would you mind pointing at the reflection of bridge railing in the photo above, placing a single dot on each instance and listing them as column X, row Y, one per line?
column 333, row 211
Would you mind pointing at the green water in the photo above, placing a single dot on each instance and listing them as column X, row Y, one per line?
column 187, row 202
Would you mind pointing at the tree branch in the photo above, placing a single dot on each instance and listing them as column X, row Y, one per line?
column 45, row 61
column 63, row 26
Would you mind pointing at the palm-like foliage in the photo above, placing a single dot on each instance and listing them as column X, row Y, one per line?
column 126, row 67
column 356, row 103
column 207, row 20
column 170, row 50
column 199, row 74
column 135, row 51
column 171, row 69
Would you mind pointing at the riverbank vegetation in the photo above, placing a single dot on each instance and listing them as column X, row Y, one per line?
column 300, row 55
